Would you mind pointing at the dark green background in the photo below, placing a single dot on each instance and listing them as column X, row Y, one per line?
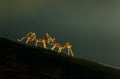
column 91, row 26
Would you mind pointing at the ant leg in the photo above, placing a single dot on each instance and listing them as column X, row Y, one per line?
column 26, row 41
column 25, row 36
column 71, row 52
column 36, row 43
column 68, row 51
column 34, row 36
column 53, row 47
column 50, row 38
column 59, row 50
column 44, row 45
column 30, row 33
column 21, row 39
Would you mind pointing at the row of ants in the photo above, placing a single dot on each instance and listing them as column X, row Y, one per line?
column 31, row 36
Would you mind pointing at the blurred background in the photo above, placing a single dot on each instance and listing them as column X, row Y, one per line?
column 91, row 26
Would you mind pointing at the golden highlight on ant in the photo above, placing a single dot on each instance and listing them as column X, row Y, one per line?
column 31, row 36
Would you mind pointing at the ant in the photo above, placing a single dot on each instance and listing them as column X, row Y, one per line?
column 48, row 39
column 60, row 47
column 31, row 36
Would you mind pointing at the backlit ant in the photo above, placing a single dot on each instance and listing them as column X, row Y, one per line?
column 31, row 36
